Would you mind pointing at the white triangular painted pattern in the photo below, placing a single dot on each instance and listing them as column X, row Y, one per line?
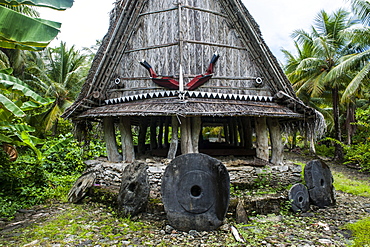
column 191, row 94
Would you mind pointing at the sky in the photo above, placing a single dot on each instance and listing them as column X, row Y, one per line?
column 88, row 20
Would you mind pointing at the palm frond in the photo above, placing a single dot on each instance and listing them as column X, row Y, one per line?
column 356, row 83
column 362, row 9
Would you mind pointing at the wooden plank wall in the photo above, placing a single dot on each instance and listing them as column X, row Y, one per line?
column 205, row 29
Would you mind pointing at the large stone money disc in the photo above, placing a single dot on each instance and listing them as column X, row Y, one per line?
column 319, row 181
column 195, row 192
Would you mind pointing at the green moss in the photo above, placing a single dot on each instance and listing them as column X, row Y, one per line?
column 360, row 231
column 355, row 187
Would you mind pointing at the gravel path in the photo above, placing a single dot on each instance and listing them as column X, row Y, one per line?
column 93, row 224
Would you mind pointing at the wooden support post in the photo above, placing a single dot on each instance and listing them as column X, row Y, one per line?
column 231, row 132
column 160, row 133
column 166, row 131
column 196, row 126
column 262, row 150
column 248, row 133
column 241, row 132
column 143, row 126
column 226, row 133
column 186, row 140
column 277, row 146
column 174, row 139
column 153, row 133
column 110, row 140
column 128, row 153
column 234, row 123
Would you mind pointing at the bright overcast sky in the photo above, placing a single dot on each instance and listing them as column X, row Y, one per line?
column 87, row 21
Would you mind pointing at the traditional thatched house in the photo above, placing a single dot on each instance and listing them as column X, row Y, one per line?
column 203, row 63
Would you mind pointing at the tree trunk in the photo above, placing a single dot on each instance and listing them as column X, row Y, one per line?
column 174, row 139
column 337, row 135
column 128, row 153
column 110, row 140
column 277, row 146
column 262, row 150
column 351, row 129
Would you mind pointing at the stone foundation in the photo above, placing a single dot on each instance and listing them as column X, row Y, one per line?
column 243, row 174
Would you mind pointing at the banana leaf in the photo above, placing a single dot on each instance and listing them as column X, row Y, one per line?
column 18, row 31
column 60, row 145
column 15, row 84
column 30, row 105
column 10, row 106
column 4, row 138
column 54, row 4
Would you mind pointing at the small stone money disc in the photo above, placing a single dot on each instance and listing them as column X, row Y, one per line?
column 299, row 197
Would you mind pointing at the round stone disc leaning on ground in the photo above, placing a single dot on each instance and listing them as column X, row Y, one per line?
column 195, row 192
column 319, row 181
column 81, row 187
column 300, row 200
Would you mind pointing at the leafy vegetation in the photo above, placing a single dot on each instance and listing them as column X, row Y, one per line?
column 359, row 152
column 33, row 179
column 330, row 68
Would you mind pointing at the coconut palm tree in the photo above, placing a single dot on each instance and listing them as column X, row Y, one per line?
column 355, row 66
column 57, row 73
column 325, row 47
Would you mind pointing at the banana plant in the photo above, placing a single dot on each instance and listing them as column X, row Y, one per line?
column 18, row 31
column 16, row 99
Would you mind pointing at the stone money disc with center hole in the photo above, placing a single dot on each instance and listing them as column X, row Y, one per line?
column 300, row 200
column 319, row 181
column 195, row 192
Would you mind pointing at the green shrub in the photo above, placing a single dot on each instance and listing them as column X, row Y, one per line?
column 324, row 150
column 359, row 155
column 31, row 180
column 66, row 161
column 359, row 152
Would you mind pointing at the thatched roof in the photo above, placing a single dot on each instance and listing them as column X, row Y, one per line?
column 247, row 79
